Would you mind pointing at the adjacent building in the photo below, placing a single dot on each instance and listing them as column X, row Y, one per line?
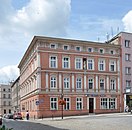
column 5, row 99
column 125, row 40
column 16, row 95
column 86, row 75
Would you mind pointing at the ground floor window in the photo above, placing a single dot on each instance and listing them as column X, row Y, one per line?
column 79, row 103
column 108, row 103
column 67, row 105
column 53, row 103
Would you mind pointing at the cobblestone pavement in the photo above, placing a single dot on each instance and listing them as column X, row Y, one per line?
column 117, row 121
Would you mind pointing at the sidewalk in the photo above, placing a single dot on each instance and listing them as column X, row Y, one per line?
column 78, row 117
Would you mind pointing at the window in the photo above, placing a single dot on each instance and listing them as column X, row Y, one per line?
column 113, row 84
column 78, row 63
column 9, row 95
column 65, row 47
column 53, row 46
column 4, row 89
column 4, row 103
column 4, row 111
column 101, row 65
column 90, row 49
column 79, row 83
column 67, row 106
column 9, row 90
column 112, row 103
column 4, row 95
column 79, row 104
column 78, row 48
column 53, row 62
column 9, row 110
column 127, row 57
column 127, row 43
column 111, row 52
column 53, row 103
column 104, row 103
column 101, row 51
column 9, row 103
column 108, row 103
column 66, row 83
column 102, row 84
column 128, row 83
column 90, row 83
column 66, row 62
column 53, row 82
column 128, row 70
column 90, row 64
column 112, row 65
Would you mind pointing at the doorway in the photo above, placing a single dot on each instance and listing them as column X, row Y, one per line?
column 91, row 105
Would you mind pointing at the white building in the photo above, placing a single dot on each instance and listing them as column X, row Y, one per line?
column 5, row 99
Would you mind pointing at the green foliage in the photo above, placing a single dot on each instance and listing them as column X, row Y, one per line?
column 4, row 128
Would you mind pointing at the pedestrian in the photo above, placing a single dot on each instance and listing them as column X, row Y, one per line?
column 126, row 108
column 27, row 115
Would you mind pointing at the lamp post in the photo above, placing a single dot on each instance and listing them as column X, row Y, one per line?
column 62, row 105
column 62, row 102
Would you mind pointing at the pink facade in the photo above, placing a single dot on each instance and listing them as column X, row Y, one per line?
column 84, row 74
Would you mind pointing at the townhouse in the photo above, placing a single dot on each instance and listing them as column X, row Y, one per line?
column 5, row 99
column 85, row 74
column 125, row 40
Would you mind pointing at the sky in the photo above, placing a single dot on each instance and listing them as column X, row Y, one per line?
column 87, row 20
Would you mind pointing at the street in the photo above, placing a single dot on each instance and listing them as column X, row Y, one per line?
column 89, row 122
column 25, row 125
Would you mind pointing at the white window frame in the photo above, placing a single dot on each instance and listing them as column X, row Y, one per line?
column 90, row 50
column 66, row 62
column 78, row 83
column 127, row 70
column 53, row 44
column 77, row 48
column 79, row 103
column 55, row 62
column 78, row 63
column 102, row 81
column 127, row 43
column 54, row 82
column 90, row 81
column 108, row 103
column 113, row 84
column 68, row 102
column 101, row 51
column 101, row 64
column 54, row 102
column 127, row 57
column 90, row 64
column 128, row 83
column 65, row 46
column 66, row 82
column 112, row 65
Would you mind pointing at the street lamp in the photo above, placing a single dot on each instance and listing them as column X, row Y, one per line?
column 62, row 103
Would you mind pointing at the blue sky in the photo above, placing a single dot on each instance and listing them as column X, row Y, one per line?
column 78, row 19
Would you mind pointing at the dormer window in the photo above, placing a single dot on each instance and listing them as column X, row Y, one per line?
column 78, row 48
column 53, row 46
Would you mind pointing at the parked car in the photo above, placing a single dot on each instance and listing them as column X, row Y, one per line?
column 9, row 116
column 17, row 115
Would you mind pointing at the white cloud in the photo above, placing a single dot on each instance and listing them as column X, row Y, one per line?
column 127, row 20
column 8, row 73
column 17, row 27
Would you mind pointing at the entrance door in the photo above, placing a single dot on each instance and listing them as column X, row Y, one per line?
column 91, row 105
